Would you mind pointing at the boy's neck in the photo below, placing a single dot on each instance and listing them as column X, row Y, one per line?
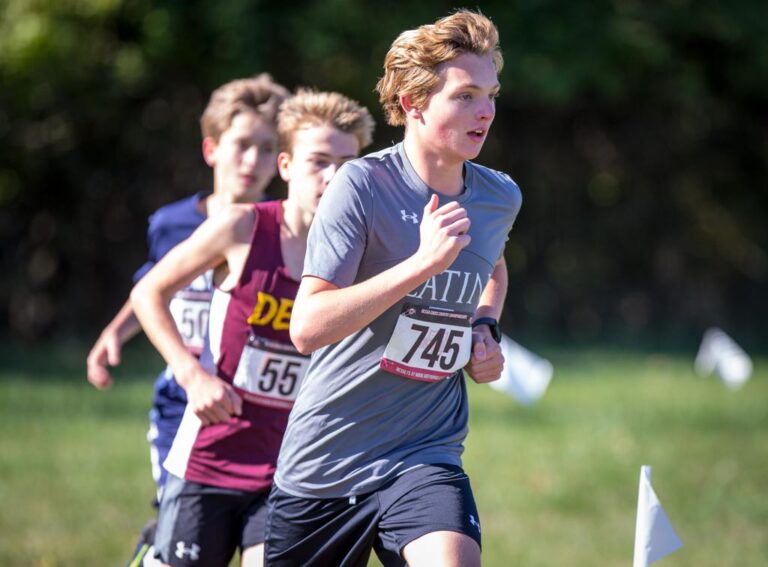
column 440, row 174
column 295, row 219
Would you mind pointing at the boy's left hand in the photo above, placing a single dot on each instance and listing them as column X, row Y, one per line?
column 487, row 362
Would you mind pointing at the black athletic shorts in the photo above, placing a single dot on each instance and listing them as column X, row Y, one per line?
column 204, row 525
column 307, row 532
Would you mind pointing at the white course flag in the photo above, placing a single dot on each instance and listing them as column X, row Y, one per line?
column 654, row 535
column 526, row 376
column 719, row 353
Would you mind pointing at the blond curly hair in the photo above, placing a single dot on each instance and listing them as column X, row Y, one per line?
column 309, row 108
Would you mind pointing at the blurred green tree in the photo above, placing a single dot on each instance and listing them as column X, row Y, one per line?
column 637, row 132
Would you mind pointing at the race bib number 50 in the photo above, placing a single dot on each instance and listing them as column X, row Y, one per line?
column 428, row 344
column 270, row 372
column 190, row 312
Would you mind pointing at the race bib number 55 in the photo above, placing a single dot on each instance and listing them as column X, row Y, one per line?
column 270, row 372
column 428, row 344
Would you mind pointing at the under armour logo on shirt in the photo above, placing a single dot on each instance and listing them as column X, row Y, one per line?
column 474, row 522
column 413, row 217
column 193, row 551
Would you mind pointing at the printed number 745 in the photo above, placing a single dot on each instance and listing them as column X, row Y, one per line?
column 439, row 344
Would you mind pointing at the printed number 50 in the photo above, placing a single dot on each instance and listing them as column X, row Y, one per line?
column 193, row 326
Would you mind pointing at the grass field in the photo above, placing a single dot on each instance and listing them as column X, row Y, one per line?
column 556, row 483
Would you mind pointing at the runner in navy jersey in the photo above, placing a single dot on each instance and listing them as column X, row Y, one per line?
column 240, row 145
column 403, row 282
column 241, row 389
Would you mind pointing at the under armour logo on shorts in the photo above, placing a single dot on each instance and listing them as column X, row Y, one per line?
column 474, row 522
column 193, row 551
column 413, row 217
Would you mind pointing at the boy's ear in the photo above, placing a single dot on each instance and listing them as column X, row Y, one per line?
column 283, row 164
column 209, row 150
column 411, row 111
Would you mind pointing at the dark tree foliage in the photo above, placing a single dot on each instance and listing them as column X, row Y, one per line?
column 638, row 132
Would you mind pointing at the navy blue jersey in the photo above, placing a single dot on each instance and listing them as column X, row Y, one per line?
column 168, row 226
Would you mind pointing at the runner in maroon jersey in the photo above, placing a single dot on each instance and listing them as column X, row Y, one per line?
column 241, row 390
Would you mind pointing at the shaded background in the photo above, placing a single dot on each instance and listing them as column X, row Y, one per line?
column 638, row 132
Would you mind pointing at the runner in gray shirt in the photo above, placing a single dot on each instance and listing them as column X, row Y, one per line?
column 405, row 252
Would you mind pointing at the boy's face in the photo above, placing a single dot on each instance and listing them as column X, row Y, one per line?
column 454, row 121
column 316, row 154
column 244, row 158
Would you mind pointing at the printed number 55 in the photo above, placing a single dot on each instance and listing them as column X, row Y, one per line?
column 271, row 376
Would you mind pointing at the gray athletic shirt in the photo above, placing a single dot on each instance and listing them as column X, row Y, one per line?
column 354, row 426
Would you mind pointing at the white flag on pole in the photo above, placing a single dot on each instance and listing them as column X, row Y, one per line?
column 654, row 535
column 720, row 354
column 526, row 376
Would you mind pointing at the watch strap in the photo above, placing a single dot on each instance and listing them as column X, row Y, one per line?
column 493, row 325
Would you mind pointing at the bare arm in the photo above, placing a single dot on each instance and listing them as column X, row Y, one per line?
column 324, row 313
column 106, row 351
column 492, row 300
column 212, row 245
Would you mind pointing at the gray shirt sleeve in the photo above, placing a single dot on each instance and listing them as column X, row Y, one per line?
column 339, row 231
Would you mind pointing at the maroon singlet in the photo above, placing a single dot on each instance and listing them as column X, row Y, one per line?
column 249, row 345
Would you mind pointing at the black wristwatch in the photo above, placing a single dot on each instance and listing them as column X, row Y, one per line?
column 493, row 325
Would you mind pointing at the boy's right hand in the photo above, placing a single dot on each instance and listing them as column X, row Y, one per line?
column 105, row 352
column 212, row 399
column 444, row 232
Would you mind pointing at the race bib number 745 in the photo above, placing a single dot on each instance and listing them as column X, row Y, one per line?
column 428, row 344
